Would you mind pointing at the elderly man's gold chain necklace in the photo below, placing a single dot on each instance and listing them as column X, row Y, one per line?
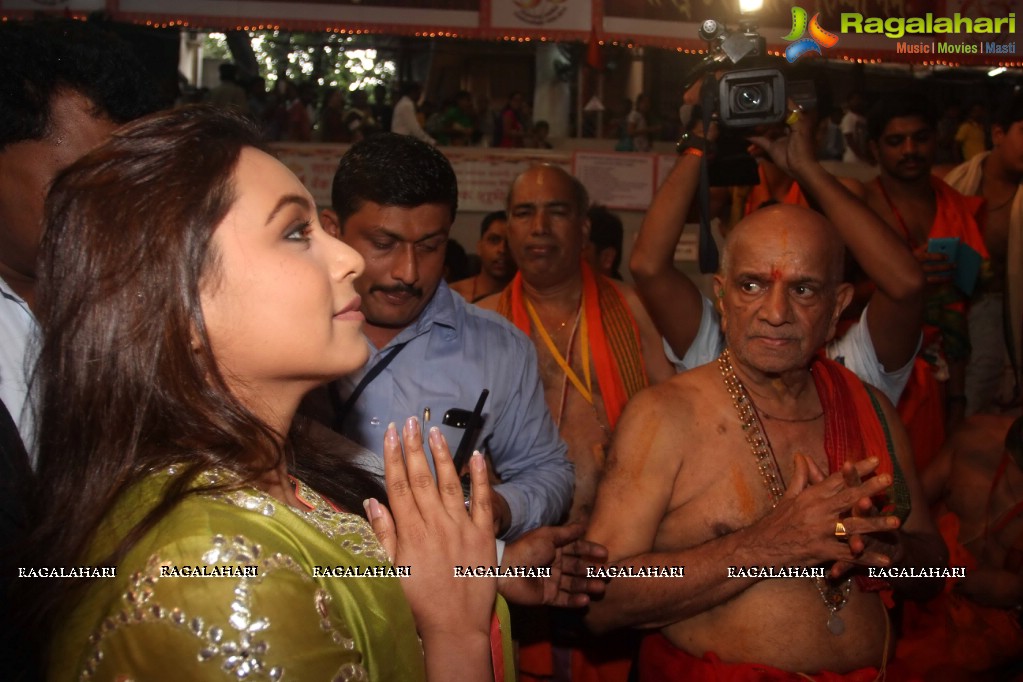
column 835, row 596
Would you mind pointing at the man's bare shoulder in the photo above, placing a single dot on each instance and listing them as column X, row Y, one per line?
column 655, row 420
column 871, row 192
column 684, row 395
column 490, row 302
column 462, row 287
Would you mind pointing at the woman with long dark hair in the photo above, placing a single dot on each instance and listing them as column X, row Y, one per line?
column 189, row 299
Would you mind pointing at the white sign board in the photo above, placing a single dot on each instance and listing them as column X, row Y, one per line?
column 618, row 180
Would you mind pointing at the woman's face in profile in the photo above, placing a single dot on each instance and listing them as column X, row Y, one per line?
column 279, row 303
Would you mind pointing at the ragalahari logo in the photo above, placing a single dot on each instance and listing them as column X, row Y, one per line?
column 818, row 36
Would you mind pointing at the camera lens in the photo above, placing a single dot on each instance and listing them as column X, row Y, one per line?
column 748, row 98
column 751, row 97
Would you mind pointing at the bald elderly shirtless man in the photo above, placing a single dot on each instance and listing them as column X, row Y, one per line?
column 724, row 466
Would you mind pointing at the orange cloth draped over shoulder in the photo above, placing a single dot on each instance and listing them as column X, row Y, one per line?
column 958, row 215
column 761, row 194
column 855, row 428
column 614, row 342
column 922, row 405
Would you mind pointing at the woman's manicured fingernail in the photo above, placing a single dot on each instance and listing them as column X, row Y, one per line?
column 477, row 462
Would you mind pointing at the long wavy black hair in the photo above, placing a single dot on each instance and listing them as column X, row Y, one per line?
column 126, row 380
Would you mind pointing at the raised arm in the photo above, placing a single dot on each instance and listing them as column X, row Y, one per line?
column 671, row 298
column 895, row 311
column 658, row 368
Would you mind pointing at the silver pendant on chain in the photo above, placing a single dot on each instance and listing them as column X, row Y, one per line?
column 835, row 624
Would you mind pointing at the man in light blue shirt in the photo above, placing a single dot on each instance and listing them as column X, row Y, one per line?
column 394, row 199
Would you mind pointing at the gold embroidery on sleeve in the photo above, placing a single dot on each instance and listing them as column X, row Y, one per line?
column 240, row 650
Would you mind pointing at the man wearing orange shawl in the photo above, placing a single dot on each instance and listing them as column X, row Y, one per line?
column 920, row 207
column 756, row 469
column 596, row 347
column 776, row 187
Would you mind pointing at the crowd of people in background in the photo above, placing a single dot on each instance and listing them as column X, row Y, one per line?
column 303, row 112
column 841, row 133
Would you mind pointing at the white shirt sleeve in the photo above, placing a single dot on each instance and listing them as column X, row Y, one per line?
column 707, row 345
column 404, row 121
column 848, row 124
column 856, row 352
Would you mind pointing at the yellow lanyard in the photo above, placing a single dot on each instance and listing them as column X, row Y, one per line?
column 587, row 390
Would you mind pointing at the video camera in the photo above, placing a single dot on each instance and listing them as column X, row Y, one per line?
column 745, row 98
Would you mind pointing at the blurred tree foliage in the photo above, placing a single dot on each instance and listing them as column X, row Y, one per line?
column 325, row 59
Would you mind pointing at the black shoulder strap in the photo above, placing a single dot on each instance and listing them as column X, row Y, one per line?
column 341, row 410
column 707, row 247
column 15, row 476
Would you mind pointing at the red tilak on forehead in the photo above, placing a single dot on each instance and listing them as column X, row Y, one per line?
column 775, row 275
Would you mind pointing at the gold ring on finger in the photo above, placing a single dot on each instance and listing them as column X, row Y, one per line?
column 840, row 532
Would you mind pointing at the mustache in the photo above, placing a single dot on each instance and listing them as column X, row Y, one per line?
column 398, row 289
column 913, row 158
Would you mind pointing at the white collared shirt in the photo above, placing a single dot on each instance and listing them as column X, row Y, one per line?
column 404, row 121
column 18, row 331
